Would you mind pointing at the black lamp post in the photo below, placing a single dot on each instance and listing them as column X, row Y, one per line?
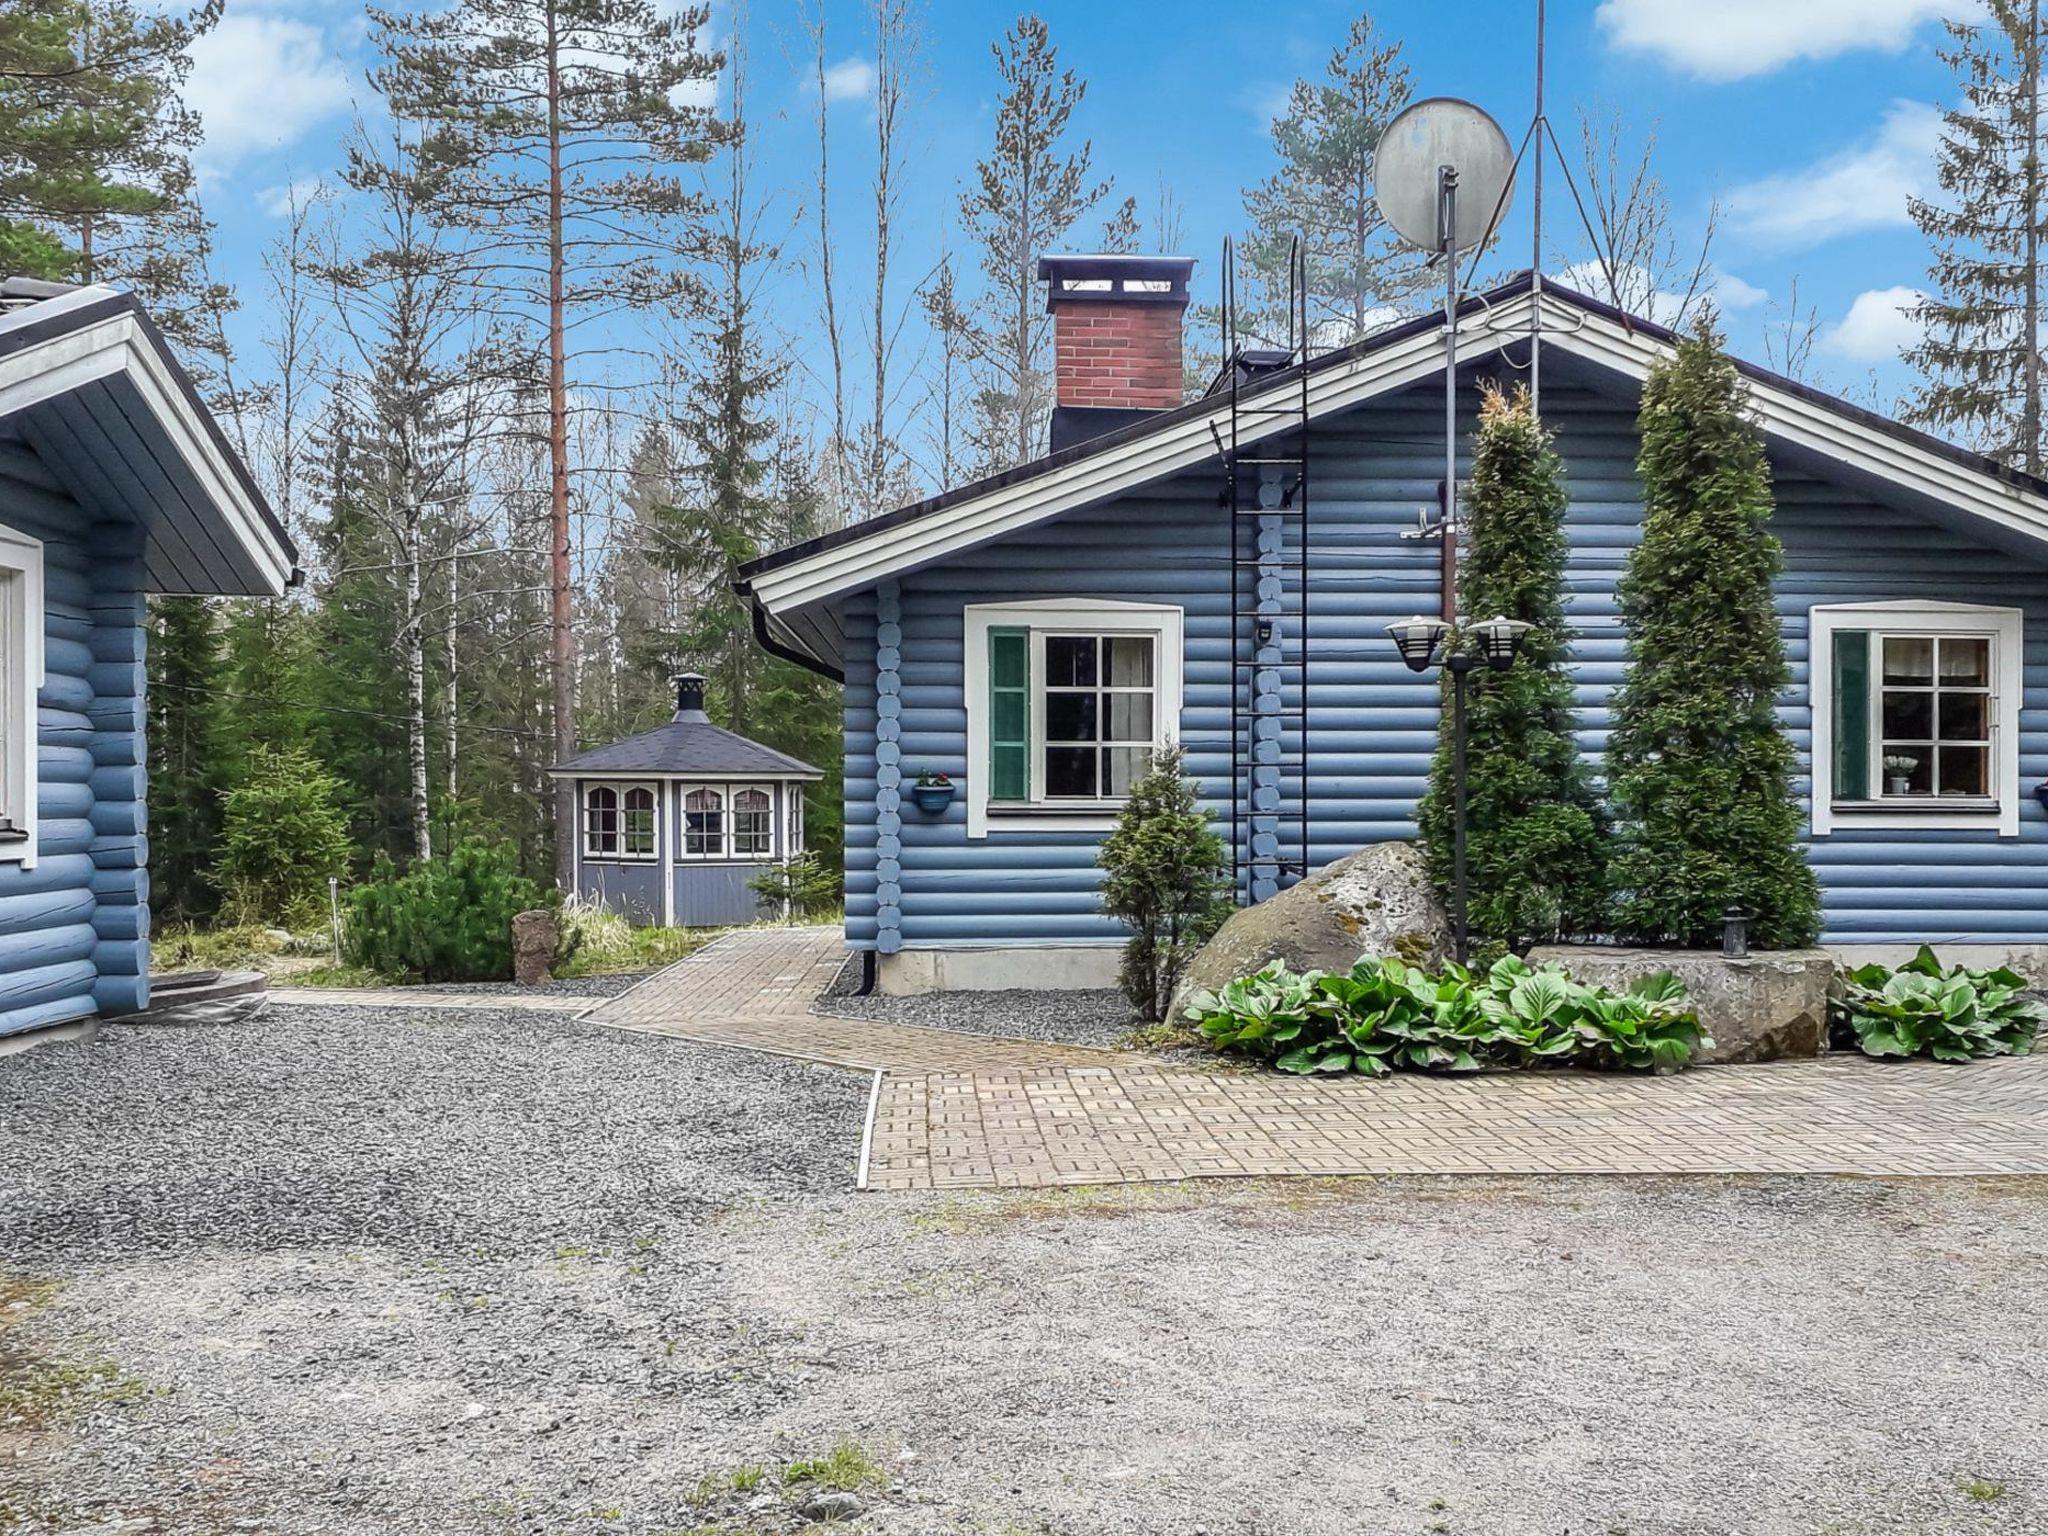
column 1497, row 642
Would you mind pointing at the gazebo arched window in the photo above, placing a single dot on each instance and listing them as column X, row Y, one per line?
column 601, row 822
column 703, row 824
column 753, row 824
column 638, row 823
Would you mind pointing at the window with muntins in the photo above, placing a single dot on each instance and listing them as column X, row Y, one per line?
column 638, row 824
column 1916, row 715
column 704, row 824
column 753, row 824
column 601, row 823
column 1067, row 701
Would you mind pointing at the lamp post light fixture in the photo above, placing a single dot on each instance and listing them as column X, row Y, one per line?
column 1499, row 642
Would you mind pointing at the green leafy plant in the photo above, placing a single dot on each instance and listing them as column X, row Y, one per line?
column 1163, row 879
column 449, row 918
column 282, row 835
column 1385, row 1016
column 1951, row 1013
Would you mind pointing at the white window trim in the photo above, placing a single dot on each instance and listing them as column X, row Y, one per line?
column 1163, row 622
column 619, row 787
column 21, row 642
column 728, row 790
column 2005, row 628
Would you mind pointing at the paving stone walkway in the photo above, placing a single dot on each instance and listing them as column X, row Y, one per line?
column 754, row 988
column 963, row 1111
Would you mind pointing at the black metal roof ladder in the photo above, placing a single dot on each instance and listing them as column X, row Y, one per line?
column 1265, row 454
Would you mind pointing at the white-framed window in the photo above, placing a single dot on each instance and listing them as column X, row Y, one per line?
column 793, row 820
column 753, row 823
column 619, row 822
column 728, row 821
column 21, row 677
column 704, row 823
column 1916, row 715
column 1067, row 699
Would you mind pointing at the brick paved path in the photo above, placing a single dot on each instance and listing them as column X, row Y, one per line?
column 754, row 988
column 1143, row 1122
column 977, row 1111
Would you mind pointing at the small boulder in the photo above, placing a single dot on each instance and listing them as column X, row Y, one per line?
column 1769, row 1005
column 535, row 937
column 1377, row 901
column 832, row 1506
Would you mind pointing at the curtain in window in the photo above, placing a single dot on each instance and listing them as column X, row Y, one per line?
column 753, row 826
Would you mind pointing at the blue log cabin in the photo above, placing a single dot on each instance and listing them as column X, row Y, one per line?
column 1036, row 634
column 115, row 482
column 674, row 825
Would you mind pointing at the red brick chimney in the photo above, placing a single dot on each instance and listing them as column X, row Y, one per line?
column 1116, row 339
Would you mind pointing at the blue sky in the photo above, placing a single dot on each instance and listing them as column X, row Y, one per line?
column 1810, row 121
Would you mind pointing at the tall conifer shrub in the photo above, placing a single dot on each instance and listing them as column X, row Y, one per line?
column 1699, row 770
column 1535, row 847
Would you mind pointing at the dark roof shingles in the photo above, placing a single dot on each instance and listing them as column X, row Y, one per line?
column 686, row 746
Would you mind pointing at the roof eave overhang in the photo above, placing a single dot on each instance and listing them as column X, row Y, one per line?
column 1604, row 337
column 61, row 345
column 708, row 775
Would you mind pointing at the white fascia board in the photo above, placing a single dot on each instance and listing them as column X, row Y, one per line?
column 118, row 345
column 1790, row 417
column 1096, row 477
column 1814, row 426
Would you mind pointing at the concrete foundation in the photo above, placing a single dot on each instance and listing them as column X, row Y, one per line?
column 1766, row 1006
column 1028, row 968
column 2030, row 960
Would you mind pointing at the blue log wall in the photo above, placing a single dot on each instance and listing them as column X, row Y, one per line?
column 1374, row 722
column 74, row 930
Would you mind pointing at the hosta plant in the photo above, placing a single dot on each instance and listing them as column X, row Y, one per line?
column 1385, row 1016
column 1951, row 1013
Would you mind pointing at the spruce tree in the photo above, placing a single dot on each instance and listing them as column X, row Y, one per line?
column 1981, row 352
column 1699, row 770
column 1534, row 830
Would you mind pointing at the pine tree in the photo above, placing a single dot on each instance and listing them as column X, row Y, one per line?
column 562, row 126
column 185, row 773
column 1323, row 191
column 96, row 180
column 1699, row 769
column 1981, row 351
column 1534, row 829
column 1024, row 197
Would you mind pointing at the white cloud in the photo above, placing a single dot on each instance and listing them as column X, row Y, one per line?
column 1878, row 327
column 849, row 80
column 1733, row 39
column 1864, row 187
column 277, row 201
column 1639, row 294
column 259, row 81
column 1731, row 292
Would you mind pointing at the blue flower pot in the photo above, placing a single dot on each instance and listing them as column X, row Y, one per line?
column 932, row 799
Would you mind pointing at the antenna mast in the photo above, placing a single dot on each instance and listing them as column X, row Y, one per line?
column 1541, row 130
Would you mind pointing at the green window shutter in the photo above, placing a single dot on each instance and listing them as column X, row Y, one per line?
column 1852, row 714
column 1009, row 714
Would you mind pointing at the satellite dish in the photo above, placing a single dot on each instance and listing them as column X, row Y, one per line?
column 1408, row 180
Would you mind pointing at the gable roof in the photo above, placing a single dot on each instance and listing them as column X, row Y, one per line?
column 89, row 385
column 688, row 745
column 792, row 589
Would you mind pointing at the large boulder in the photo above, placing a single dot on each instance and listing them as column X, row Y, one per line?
column 1766, row 1006
column 1377, row 901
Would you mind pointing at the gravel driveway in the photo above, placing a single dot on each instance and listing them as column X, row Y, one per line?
column 397, row 1272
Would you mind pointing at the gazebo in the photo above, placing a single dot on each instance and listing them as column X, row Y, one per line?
column 673, row 824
